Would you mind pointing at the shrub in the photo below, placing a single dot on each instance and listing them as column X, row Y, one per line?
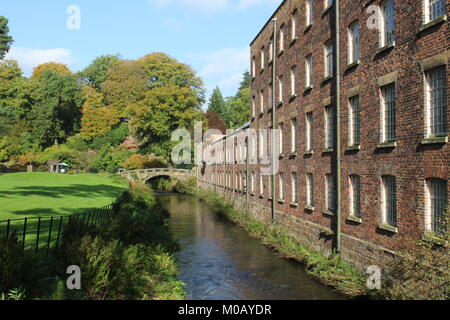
column 10, row 262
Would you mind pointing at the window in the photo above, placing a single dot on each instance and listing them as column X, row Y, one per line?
column 436, row 101
column 294, row 187
column 387, row 23
column 294, row 20
column 355, row 124
column 281, row 185
column 280, row 88
column 261, row 184
column 329, row 127
column 434, row 9
column 353, row 47
column 328, row 58
column 281, row 136
column 261, row 101
column 437, row 205
column 309, row 190
column 252, row 182
column 309, row 71
column 388, row 113
column 329, row 194
column 293, row 135
column 281, row 39
column 270, row 96
column 309, row 12
column 253, row 106
column 328, row 3
column 389, row 198
column 355, row 196
column 253, row 67
column 293, row 89
column 309, row 132
column 262, row 58
column 271, row 49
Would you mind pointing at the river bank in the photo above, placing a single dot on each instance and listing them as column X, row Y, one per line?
column 332, row 271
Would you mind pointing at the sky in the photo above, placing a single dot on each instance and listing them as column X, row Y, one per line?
column 212, row 36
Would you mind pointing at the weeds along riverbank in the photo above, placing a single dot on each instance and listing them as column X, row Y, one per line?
column 332, row 271
column 131, row 257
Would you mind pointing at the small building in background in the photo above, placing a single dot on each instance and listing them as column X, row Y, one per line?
column 56, row 166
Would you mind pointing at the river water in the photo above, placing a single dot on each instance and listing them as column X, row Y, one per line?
column 219, row 261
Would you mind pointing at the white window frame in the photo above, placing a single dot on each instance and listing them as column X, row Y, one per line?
column 434, row 185
column 353, row 43
column 329, row 127
column 330, row 195
column 293, row 81
column 429, row 115
column 281, row 39
column 308, row 71
column 354, row 120
column 309, row 131
column 310, row 190
column 294, row 182
column 281, row 186
column 309, row 12
column 355, row 196
column 384, row 7
column 253, row 106
column 261, row 101
column 263, row 62
column 280, row 88
column 328, row 59
column 428, row 14
column 281, row 137
column 254, row 66
column 294, row 20
column 294, row 126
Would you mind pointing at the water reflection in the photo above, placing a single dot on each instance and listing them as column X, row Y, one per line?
column 220, row 261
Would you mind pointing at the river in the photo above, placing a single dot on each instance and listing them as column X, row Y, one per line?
column 219, row 261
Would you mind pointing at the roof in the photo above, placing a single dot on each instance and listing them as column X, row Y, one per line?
column 53, row 162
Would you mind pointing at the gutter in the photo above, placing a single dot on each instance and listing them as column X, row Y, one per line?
column 274, row 109
column 338, row 129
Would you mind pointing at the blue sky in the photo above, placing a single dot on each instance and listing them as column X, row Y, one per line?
column 212, row 36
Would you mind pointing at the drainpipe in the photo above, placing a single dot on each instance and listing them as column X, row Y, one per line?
column 274, row 108
column 247, row 175
column 338, row 130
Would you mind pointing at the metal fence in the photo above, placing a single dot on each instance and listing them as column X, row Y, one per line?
column 44, row 233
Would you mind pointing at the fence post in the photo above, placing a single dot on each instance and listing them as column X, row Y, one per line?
column 59, row 231
column 37, row 236
column 8, row 224
column 49, row 234
column 24, row 234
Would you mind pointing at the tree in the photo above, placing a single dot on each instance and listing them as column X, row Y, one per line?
column 163, row 110
column 126, row 84
column 97, row 119
column 5, row 39
column 96, row 73
column 56, row 110
column 58, row 68
column 163, row 70
column 217, row 104
column 238, row 106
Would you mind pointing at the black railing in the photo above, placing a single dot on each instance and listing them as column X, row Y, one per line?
column 44, row 233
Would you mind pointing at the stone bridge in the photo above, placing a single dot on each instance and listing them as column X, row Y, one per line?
column 145, row 175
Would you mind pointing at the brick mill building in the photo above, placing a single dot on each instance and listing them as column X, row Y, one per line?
column 362, row 104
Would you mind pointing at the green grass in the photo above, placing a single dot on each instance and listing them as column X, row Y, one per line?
column 44, row 195
column 25, row 195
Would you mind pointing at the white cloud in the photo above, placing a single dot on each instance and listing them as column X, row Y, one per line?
column 224, row 68
column 30, row 58
column 173, row 24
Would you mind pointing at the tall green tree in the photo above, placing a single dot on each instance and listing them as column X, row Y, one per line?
column 96, row 73
column 56, row 110
column 238, row 106
column 217, row 104
column 5, row 39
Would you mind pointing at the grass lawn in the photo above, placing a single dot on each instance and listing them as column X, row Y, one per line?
column 24, row 195
column 44, row 195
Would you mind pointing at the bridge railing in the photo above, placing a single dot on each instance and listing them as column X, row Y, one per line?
column 158, row 170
